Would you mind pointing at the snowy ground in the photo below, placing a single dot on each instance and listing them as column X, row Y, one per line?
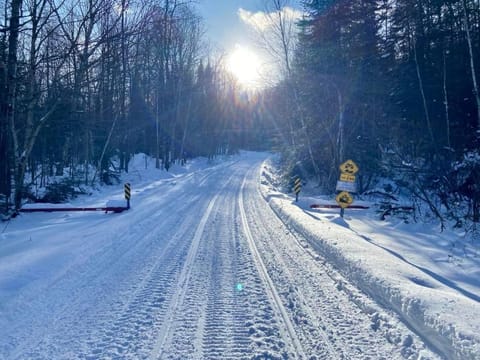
column 201, row 267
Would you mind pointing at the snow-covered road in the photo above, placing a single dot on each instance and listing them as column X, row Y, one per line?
column 199, row 268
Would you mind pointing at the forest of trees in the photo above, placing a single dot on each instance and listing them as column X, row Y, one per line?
column 392, row 84
column 86, row 81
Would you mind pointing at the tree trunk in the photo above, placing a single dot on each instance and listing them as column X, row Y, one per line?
column 5, row 171
column 157, row 135
column 422, row 92
column 105, row 146
column 21, row 159
column 16, row 6
column 445, row 99
column 472, row 63
column 341, row 129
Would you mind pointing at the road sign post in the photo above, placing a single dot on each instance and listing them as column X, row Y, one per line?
column 127, row 194
column 297, row 187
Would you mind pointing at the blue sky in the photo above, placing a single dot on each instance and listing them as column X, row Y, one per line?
column 224, row 27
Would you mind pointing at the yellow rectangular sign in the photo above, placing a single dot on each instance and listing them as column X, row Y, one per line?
column 347, row 177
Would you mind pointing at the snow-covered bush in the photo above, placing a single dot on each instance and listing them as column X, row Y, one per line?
column 445, row 188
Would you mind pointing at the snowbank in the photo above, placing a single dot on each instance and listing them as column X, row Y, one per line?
column 446, row 315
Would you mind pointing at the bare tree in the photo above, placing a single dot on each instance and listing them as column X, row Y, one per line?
column 279, row 38
column 24, row 137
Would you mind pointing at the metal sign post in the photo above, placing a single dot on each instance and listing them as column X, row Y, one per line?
column 127, row 194
column 297, row 187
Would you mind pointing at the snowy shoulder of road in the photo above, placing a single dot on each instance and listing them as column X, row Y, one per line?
column 413, row 269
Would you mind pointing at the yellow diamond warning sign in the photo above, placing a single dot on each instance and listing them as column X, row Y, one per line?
column 344, row 199
column 349, row 167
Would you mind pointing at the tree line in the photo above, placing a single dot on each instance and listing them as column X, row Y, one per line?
column 392, row 84
column 86, row 81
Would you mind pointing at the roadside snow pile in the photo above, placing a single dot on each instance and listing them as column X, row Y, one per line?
column 143, row 176
column 404, row 267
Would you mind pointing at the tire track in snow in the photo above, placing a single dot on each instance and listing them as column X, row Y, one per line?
column 288, row 330
column 183, row 281
column 181, row 285
column 216, row 320
column 210, row 324
column 230, row 313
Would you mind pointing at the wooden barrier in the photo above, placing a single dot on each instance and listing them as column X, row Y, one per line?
column 115, row 209
column 335, row 206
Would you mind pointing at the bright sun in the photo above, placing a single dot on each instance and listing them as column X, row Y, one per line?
column 245, row 65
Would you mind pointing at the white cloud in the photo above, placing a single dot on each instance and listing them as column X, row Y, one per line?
column 262, row 21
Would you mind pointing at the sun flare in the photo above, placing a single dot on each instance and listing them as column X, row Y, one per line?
column 244, row 65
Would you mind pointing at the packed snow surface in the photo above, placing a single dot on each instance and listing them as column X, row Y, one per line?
column 212, row 262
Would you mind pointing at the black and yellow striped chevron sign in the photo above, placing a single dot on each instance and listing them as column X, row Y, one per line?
column 127, row 191
column 297, row 187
